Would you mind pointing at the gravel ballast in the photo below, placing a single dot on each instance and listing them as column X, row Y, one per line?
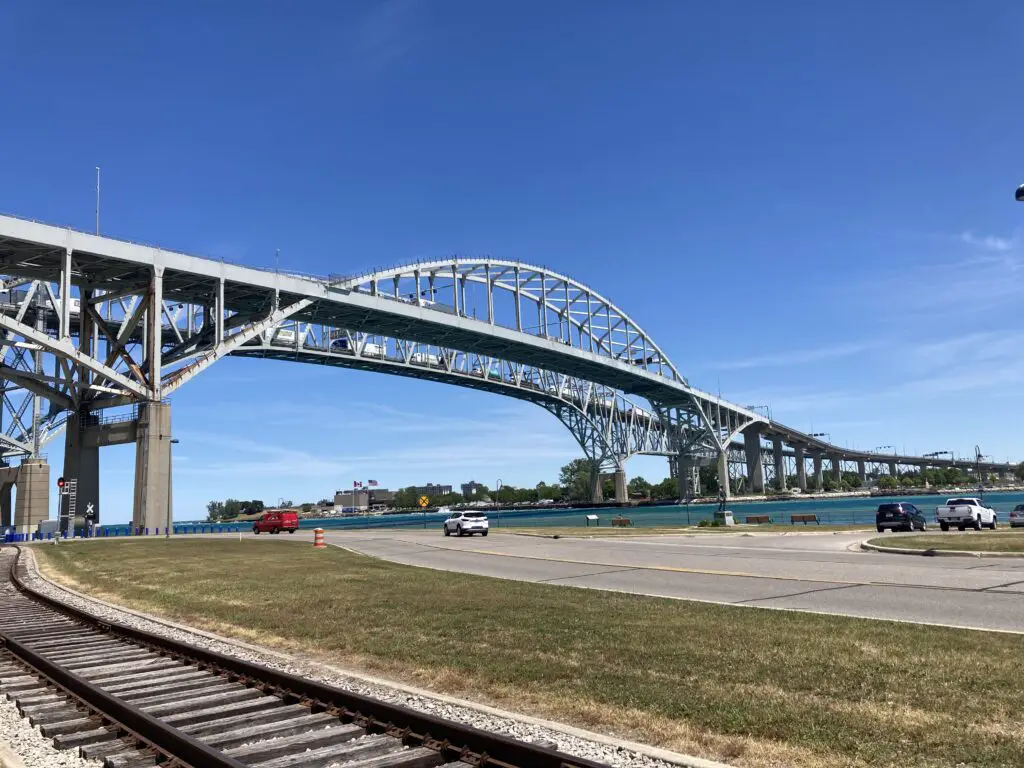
column 565, row 738
column 27, row 743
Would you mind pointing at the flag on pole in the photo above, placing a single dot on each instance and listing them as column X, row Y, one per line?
column 373, row 483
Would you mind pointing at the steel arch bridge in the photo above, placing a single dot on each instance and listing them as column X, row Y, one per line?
column 91, row 323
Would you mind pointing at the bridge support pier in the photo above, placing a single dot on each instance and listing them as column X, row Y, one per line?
column 596, row 489
column 5, row 504
column 780, row 464
column 819, row 480
column 755, row 469
column 862, row 471
column 33, row 503
column 892, row 469
column 621, row 494
column 837, row 471
column 689, row 478
column 153, row 467
column 801, row 467
column 81, row 462
column 724, row 489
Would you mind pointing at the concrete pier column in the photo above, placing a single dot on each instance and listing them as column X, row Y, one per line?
column 819, row 480
column 82, row 463
column 862, row 471
column 32, row 505
column 892, row 468
column 153, row 468
column 801, row 467
column 924, row 477
column 723, row 474
column 837, row 470
column 621, row 494
column 5, row 505
column 685, row 478
column 752, row 447
column 596, row 485
column 780, row 464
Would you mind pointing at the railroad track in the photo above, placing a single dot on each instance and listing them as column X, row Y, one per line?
column 132, row 699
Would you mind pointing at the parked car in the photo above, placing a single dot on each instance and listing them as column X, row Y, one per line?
column 466, row 524
column 900, row 517
column 1017, row 516
column 963, row 512
column 275, row 522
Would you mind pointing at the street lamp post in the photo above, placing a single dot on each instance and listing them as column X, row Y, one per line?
column 497, row 489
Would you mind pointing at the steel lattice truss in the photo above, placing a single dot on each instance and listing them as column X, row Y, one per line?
column 91, row 323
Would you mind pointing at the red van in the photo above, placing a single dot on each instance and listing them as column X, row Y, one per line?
column 275, row 522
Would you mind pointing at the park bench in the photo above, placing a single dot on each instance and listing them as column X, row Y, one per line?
column 622, row 522
column 805, row 519
column 757, row 519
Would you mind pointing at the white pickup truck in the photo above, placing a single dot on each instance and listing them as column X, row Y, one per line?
column 963, row 512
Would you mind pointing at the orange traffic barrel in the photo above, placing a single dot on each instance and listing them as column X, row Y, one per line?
column 318, row 538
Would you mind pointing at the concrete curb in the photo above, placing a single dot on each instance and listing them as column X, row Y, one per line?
column 935, row 552
column 686, row 761
column 9, row 759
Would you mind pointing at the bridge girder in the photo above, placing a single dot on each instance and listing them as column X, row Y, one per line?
column 147, row 321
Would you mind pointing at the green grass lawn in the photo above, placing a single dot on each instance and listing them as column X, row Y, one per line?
column 973, row 541
column 755, row 688
column 607, row 531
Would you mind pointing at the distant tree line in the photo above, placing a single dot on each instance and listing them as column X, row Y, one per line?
column 232, row 508
column 574, row 485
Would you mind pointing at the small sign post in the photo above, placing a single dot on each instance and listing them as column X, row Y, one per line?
column 424, row 502
column 68, row 487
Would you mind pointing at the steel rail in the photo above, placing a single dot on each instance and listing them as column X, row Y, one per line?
column 139, row 724
column 453, row 740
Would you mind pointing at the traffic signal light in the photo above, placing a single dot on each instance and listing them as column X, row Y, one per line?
column 60, row 483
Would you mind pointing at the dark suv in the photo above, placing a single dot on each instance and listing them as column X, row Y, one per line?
column 900, row 517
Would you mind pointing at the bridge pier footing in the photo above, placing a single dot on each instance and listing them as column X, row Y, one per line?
column 152, row 507
column 81, row 462
column 5, row 504
column 621, row 493
column 33, row 502
column 801, row 467
column 724, row 489
column 780, row 465
column 752, row 447
column 819, row 479
column 596, row 483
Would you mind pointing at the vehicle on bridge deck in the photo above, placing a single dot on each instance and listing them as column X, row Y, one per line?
column 965, row 511
column 900, row 517
column 275, row 522
column 466, row 524
column 1017, row 516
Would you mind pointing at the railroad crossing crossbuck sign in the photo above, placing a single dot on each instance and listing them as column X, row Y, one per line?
column 424, row 501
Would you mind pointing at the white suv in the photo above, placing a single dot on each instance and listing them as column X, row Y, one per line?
column 466, row 523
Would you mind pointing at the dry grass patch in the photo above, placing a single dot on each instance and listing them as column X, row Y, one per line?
column 973, row 541
column 759, row 688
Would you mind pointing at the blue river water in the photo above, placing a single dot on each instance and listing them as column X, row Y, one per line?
column 844, row 511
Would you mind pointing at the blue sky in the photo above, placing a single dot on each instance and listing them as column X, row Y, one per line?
column 808, row 206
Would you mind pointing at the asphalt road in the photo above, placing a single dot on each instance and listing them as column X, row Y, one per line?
column 820, row 572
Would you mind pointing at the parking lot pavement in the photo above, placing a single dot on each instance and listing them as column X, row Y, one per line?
column 819, row 572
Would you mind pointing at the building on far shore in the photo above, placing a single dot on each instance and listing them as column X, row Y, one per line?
column 363, row 498
column 471, row 491
column 432, row 489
